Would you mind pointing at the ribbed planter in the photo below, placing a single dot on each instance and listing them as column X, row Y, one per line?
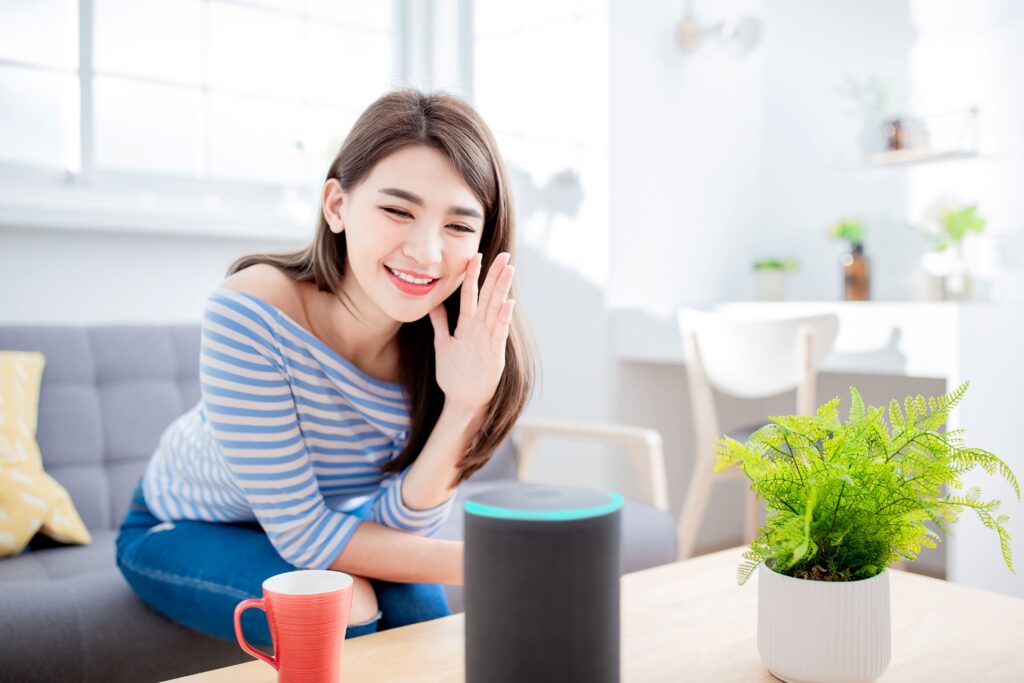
column 823, row 631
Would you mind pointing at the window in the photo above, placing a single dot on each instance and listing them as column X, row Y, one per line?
column 221, row 116
column 219, row 99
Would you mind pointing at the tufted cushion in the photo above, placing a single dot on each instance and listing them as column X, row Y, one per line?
column 31, row 500
column 91, row 627
column 107, row 394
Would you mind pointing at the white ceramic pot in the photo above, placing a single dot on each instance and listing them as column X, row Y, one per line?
column 770, row 284
column 823, row 631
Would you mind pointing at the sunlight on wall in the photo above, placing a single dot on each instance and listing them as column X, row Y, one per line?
column 553, row 133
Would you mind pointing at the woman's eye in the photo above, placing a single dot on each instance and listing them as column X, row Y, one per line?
column 405, row 214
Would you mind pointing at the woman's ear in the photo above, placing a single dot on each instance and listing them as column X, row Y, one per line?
column 331, row 205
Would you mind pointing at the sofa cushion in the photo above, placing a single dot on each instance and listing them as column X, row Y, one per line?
column 107, row 394
column 101, row 630
column 30, row 499
column 48, row 560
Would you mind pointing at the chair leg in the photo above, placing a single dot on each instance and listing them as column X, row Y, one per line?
column 752, row 516
column 694, row 506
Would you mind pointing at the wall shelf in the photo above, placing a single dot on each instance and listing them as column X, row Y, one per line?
column 918, row 156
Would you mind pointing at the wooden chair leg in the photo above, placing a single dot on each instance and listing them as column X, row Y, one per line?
column 752, row 516
column 694, row 506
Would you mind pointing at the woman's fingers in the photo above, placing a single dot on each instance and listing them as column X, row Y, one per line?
column 499, row 296
column 501, row 328
column 439, row 320
column 470, row 287
column 493, row 272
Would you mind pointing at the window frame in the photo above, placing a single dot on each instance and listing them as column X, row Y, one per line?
column 82, row 197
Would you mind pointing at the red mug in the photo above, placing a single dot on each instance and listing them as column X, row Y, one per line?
column 308, row 612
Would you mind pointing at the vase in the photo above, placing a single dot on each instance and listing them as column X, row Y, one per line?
column 823, row 631
column 769, row 284
column 959, row 285
column 856, row 274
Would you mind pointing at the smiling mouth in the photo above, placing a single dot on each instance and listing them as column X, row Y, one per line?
column 408, row 277
column 410, row 285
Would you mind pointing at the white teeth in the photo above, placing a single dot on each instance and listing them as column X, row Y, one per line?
column 410, row 278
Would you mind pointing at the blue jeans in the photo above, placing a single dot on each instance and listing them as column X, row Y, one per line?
column 195, row 573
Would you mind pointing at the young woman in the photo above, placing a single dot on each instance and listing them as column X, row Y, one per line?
column 346, row 388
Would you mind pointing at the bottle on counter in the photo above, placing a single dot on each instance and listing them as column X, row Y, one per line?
column 856, row 274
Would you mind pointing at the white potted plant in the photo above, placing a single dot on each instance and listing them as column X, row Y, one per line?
column 770, row 278
column 844, row 500
column 949, row 227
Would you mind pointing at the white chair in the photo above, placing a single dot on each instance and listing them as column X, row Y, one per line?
column 746, row 357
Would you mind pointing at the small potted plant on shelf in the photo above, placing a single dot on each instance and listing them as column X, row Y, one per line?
column 845, row 499
column 948, row 227
column 770, row 278
column 856, row 266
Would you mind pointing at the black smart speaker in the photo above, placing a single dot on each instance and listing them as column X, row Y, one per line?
column 541, row 594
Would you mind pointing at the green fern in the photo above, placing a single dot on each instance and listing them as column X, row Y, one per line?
column 846, row 499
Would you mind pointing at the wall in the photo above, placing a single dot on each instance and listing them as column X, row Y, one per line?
column 71, row 276
column 717, row 161
column 685, row 158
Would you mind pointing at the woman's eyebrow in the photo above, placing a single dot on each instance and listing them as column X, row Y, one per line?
column 418, row 201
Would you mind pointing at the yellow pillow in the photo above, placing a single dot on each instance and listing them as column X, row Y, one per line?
column 30, row 499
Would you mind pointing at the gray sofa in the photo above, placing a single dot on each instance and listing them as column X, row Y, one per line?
column 108, row 392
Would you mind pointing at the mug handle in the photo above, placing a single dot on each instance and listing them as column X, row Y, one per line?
column 239, row 608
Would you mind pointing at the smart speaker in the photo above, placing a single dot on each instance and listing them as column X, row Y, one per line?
column 541, row 594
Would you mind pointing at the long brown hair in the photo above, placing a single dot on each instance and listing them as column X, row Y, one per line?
column 449, row 125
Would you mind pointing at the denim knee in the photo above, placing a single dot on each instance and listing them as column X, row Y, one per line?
column 402, row 604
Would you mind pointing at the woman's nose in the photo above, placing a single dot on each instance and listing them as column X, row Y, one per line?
column 423, row 246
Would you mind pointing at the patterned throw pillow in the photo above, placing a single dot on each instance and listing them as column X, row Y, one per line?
column 30, row 499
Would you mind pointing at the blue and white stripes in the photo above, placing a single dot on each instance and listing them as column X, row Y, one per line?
column 287, row 433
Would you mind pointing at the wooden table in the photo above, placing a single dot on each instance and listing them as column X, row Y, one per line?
column 690, row 621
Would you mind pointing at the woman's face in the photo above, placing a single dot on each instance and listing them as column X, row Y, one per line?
column 412, row 218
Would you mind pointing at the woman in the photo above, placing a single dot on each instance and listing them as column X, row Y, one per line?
column 346, row 388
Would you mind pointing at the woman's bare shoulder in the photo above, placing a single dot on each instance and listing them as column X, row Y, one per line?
column 270, row 284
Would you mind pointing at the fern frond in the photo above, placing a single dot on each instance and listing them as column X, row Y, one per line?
column 912, row 409
column 752, row 558
column 896, row 415
column 945, row 403
column 996, row 524
column 851, row 498
column 989, row 462
column 829, row 412
column 856, row 406
column 745, row 570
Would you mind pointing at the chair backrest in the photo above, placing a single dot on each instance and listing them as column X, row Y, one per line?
column 747, row 357
column 754, row 357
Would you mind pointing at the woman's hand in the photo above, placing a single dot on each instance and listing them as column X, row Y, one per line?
column 470, row 363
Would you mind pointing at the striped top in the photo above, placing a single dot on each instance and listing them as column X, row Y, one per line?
column 287, row 433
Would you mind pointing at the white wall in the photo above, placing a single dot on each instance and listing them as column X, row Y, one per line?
column 74, row 276
column 718, row 161
column 812, row 148
column 685, row 158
